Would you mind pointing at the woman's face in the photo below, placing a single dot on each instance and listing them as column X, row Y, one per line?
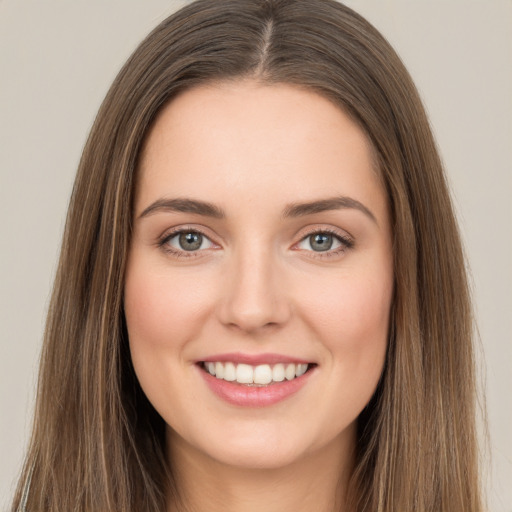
column 261, row 244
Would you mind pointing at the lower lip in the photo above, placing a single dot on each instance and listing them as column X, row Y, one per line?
column 254, row 396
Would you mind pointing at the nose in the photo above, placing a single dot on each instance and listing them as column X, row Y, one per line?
column 254, row 296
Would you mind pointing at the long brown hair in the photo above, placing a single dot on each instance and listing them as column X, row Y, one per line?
column 97, row 443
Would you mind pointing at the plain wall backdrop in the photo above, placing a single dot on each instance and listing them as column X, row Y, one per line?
column 57, row 60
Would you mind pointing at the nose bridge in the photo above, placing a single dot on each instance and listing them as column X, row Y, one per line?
column 254, row 296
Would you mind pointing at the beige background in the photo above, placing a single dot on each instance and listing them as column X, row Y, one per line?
column 57, row 60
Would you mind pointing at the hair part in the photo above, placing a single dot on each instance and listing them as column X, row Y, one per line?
column 97, row 442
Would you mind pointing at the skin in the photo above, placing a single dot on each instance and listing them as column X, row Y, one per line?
column 258, row 285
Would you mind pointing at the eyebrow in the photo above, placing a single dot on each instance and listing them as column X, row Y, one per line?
column 323, row 205
column 206, row 209
column 184, row 205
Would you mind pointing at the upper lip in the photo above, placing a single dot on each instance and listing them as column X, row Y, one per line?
column 253, row 359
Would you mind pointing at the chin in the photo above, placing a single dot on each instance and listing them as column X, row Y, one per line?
column 245, row 446
column 256, row 456
column 251, row 446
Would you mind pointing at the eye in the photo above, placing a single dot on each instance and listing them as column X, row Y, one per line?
column 325, row 242
column 186, row 241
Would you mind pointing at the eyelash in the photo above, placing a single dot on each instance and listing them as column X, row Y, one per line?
column 346, row 243
column 163, row 243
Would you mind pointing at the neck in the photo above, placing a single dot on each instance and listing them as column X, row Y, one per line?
column 316, row 481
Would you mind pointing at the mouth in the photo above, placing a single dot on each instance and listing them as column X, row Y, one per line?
column 255, row 375
column 255, row 381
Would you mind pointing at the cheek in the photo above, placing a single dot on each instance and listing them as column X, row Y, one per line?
column 162, row 314
column 147, row 307
column 351, row 318
column 147, row 325
column 353, row 325
column 162, row 310
column 353, row 315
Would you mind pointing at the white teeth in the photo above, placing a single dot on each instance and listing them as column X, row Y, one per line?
column 229, row 372
column 260, row 375
column 219, row 370
column 301, row 369
column 244, row 374
column 289, row 372
column 278, row 373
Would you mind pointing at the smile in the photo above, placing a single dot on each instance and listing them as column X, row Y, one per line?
column 260, row 375
column 255, row 381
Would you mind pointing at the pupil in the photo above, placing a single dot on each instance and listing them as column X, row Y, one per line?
column 321, row 242
column 191, row 241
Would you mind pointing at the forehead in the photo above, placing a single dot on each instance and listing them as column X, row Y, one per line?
column 280, row 140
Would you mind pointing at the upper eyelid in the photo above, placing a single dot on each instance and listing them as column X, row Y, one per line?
column 203, row 230
column 171, row 232
column 346, row 242
column 342, row 234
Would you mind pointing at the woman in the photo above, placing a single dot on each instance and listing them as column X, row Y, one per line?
column 267, row 284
